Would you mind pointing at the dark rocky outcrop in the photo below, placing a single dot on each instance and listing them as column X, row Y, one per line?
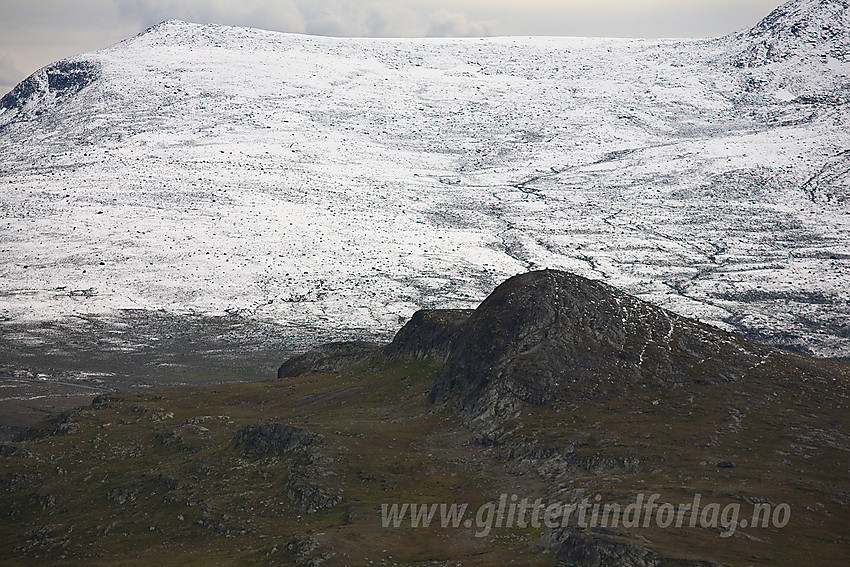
column 58, row 81
column 588, row 549
column 275, row 438
column 429, row 334
column 550, row 335
column 330, row 357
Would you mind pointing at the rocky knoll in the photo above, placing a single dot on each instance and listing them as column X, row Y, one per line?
column 553, row 337
column 549, row 335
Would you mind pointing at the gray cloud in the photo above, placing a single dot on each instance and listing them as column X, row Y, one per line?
column 277, row 15
column 366, row 18
column 447, row 23
column 380, row 19
column 623, row 18
column 9, row 73
column 371, row 18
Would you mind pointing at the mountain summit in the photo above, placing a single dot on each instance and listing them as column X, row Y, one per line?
column 811, row 27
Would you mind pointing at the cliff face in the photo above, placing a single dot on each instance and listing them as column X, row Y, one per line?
column 818, row 27
column 430, row 334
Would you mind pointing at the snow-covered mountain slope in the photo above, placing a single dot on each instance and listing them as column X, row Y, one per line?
column 798, row 31
column 348, row 182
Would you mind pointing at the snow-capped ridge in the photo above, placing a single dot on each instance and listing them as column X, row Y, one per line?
column 164, row 25
column 177, row 32
column 180, row 33
column 816, row 27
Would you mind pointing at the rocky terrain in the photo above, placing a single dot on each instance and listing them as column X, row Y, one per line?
column 556, row 389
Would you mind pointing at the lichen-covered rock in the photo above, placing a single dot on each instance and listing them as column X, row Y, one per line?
column 10, row 450
column 275, row 438
column 588, row 549
column 308, row 464
column 307, row 493
column 609, row 548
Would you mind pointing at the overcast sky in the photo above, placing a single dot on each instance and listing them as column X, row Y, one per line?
column 34, row 33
